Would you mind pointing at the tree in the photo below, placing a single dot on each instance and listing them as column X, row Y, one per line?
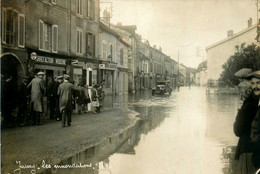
column 244, row 57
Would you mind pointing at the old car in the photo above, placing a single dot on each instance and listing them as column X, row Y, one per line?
column 162, row 88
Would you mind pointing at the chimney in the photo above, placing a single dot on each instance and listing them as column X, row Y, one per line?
column 249, row 22
column 230, row 33
column 154, row 46
column 160, row 49
column 106, row 16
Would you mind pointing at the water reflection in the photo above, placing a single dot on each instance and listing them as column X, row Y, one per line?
column 188, row 132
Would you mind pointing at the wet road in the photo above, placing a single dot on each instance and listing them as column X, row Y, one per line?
column 187, row 132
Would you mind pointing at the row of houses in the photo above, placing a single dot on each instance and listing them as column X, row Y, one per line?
column 218, row 53
column 69, row 36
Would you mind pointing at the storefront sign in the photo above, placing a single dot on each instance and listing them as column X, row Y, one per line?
column 61, row 61
column 44, row 59
column 107, row 66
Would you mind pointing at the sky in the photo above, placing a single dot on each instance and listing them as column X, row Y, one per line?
column 184, row 26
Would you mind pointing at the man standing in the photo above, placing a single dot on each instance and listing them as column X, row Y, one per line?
column 65, row 92
column 243, row 126
column 22, row 100
column 56, row 86
column 37, row 93
column 52, row 96
column 255, row 129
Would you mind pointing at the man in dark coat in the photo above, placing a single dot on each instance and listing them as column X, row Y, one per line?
column 65, row 94
column 22, row 100
column 255, row 129
column 242, row 127
column 37, row 93
column 57, row 98
column 52, row 95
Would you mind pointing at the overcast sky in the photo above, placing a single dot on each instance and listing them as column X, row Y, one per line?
column 184, row 25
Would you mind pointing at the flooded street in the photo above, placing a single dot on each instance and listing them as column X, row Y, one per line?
column 187, row 132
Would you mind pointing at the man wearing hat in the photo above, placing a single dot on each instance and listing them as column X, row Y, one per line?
column 246, row 152
column 37, row 93
column 255, row 128
column 65, row 94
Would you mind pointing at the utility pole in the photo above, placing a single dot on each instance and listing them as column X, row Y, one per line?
column 178, row 66
column 258, row 22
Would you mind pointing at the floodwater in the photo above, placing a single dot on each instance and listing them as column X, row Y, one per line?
column 187, row 132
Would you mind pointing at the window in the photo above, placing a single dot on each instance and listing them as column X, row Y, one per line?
column 79, row 41
column 4, row 14
column 110, row 56
column 104, row 50
column 79, row 7
column 91, row 9
column 121, row 56
column 47, row 29
column 48, row 37
column 10, row 26
column 55, row 38
column 90, row 44
column 21, row 30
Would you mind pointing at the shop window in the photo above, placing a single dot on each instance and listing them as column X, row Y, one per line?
column 122, row 56
column 91, row 44
column 21, row 30
column 79, row 7
column 79, row 41
column 104, row 50
column 55, row 38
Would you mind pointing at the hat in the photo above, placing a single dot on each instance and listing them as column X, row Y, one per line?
column 40, row 73
column 60, row 77
column 66, row 76
column 255, row 74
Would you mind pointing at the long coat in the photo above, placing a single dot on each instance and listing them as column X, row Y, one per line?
column 242, row 125
column 255, row 137
column 37, row 93
column 65, row 92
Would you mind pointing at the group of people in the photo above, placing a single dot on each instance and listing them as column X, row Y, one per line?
column 247, row 128
column 62, row 96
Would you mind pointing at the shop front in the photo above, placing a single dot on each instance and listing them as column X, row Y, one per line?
column 51, row 65
column 107, row 76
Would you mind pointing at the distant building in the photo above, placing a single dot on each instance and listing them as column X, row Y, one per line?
column 201, row 74
column 218, row 53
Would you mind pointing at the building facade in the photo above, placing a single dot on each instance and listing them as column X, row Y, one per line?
column 53, row 36
column 218, row 53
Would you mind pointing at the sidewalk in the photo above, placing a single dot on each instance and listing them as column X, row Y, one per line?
column 52, row 143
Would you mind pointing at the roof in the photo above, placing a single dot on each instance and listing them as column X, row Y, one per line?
column 107, row 29
column 124, row 42
column 232, row 37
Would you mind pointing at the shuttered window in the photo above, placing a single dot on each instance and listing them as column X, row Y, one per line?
column 41, row 33
column 21, row 30
column 79, row 41
column 4, row 25
column 55, row 38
